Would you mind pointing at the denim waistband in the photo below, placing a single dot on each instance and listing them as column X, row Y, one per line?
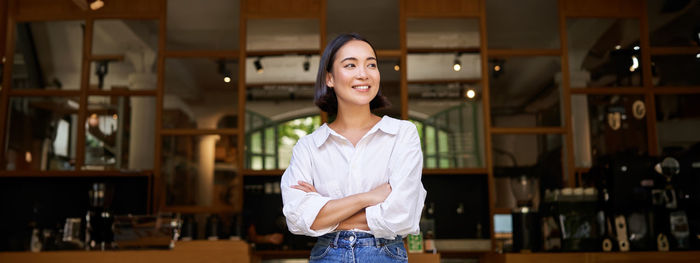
column 355, row 239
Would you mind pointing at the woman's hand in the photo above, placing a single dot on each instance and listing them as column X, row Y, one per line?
column 304, row 186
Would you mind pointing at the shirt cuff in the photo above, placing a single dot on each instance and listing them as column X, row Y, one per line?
column 311, row 210
column 374, row 215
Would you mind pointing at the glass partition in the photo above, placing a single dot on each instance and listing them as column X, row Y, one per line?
column 188, row 30
column 379, row 23
column 673, row 23
column 283, row 34
column 48, row 55
column 525, row 91
column 115, row 127
column 41, row 133
column 507, row 29
column 677, row 124
column 199, row 93
column 604, row 52
column 131, row 49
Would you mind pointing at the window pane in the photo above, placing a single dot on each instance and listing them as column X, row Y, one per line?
column 256, row 143
column 283, row 34
column 442, row 33
column 379, row 23
column 197, row 94
column 288, row 133
column 282, row 69
column 188, row 30
column 114, row 126
column 524, row 92
column 608, row 124
column 48, row 55
column 41, row 133
column 390, row 87
column 604, row 52
column 673, row 23
column 440, row 66
column 137, row 42
column 197, row 170
column 677, row 123
column 536, row 156
column 506, row 27
column 676, row 70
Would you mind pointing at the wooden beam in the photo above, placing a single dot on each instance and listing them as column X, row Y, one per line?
column 225, row 54
column 528, row 130
column 505, row 53
column 82, row 4
column 565, row 87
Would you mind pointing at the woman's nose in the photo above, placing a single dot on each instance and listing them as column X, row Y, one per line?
column 361, row 73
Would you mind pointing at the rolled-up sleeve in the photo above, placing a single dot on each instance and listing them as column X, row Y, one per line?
column 400, row 213
column 300, row 208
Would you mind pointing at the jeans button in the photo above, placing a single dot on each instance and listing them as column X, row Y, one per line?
column 351, row 238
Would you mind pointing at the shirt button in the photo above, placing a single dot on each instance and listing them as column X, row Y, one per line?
column 351, row 238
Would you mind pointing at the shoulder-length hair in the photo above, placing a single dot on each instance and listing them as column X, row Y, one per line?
column 325, row 97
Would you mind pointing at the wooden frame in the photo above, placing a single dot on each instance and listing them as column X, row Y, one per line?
column 14, row 11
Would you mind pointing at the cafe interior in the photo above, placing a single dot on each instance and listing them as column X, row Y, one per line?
column 158, row 130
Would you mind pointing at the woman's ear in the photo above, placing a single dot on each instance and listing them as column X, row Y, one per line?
column 330, row 82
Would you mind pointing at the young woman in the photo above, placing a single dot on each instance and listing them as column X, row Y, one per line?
column 354, row 183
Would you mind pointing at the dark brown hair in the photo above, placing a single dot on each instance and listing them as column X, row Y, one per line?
column 325, row 97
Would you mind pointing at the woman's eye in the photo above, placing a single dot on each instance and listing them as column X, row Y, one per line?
column 372, row 65
column 349, row 65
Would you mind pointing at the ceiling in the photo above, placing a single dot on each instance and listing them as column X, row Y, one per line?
column 214, row 26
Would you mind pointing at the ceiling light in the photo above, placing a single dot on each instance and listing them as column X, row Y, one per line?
column 258, row 66
column 227, row 79
column 457, row 66
column 635, row 64
column 697, row 55
column 115, row 117
column 397, row 67
column 306, row 65
column 497, row 68
column 471, row 93
column 636, row 47
column 618, row 47
column 97, row 5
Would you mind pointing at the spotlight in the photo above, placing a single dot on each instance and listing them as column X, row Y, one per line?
column 618, row 47
column 457, row 66
column 224, row 71
column 696, row 35
column 697, row 55
column 115, row 117
column 306, row 64
column 497, row 68
column 258, row 66
column 471, row 93
column 97, row 4
column 636, row 48
column 397, row 67
column 635, row 64
column 227, row 79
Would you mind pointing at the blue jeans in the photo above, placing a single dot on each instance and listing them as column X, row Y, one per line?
column 352, row 247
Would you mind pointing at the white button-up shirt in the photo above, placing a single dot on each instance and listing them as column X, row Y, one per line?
column 390, row 152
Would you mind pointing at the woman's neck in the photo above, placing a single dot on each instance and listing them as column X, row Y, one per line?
column 359, row 118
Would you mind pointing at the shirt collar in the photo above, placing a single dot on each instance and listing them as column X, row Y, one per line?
column 387, row 124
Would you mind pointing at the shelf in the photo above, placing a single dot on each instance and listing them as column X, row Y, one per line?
column 590, row 257
column 456, row 171
column 248, row 172
column 78, row 173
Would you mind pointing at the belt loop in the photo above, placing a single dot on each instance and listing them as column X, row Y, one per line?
column 377, row 241
column 335, row 242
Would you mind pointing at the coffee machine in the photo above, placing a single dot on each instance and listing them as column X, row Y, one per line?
column 525, row 218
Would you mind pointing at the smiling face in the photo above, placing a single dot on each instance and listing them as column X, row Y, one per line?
column 354, row 75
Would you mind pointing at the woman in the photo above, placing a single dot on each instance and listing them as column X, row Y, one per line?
column 354, row 183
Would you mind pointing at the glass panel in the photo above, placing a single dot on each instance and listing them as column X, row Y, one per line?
column 282, row 69
column 136, row 41
column 197, row 94
column 203, row 25
column 390, row 87
column 283, row 34
column 676, row 70
column 537, row 156
column 285, row 113
column 677, row 123
column 524, row 92
column 608, row 124
column 442, row 33
column 446, row 118
column 200, row 170
column 114, row 126
column 455, row 207
column 506, row 27
column 604, row 52
column 48, row 55
column 41, row 133
column 674, row 23
column 440, row 67
column 379, row 23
